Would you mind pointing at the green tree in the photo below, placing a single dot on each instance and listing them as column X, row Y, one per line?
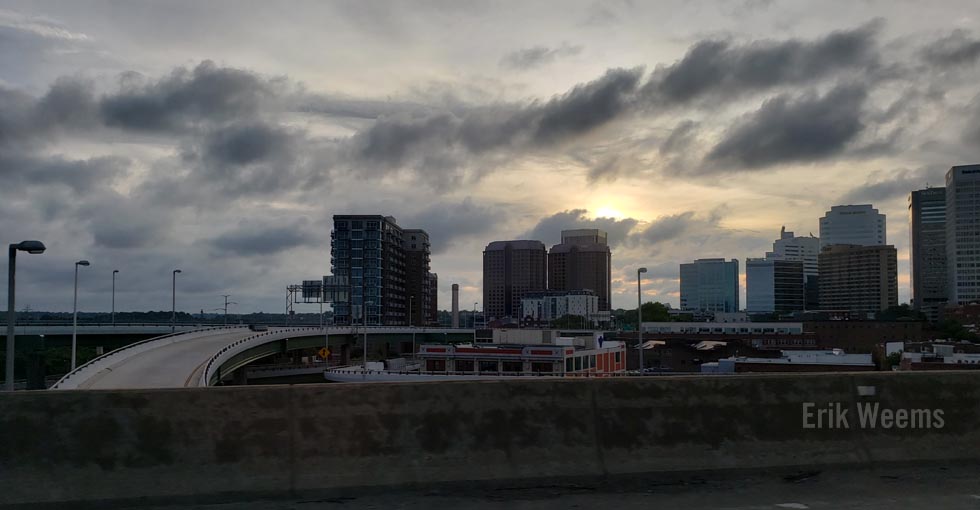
column 570, row 322
column 900, row 312
column 893, row 359
column 950, row 328
column 652, row 312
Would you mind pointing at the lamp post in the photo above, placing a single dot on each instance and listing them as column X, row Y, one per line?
column 114, row 271
column 639, row 316
column 32, row 247
column 474, row 323
column 173, row 302
column 74, row 315
column 411, row 324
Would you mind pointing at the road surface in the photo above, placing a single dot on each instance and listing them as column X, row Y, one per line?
column 171, row 365
column 926, row 488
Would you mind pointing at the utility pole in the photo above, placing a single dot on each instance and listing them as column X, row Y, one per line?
column 226, row 296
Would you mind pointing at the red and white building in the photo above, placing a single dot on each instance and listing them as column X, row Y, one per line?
column 526, row 360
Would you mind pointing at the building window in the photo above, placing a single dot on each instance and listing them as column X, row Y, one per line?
column 512, row 366
column 435, row 365
column 464, row 365
column 488, row 366
column 617, row 357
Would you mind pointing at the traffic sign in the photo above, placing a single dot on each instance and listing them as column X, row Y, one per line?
column 323, row 352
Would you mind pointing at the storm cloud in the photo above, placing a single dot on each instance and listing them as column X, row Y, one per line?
column 185, row 98
column 718, row 67
column 956, row 49
column 788, row 129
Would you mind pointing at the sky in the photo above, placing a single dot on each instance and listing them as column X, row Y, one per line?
column 220, row 137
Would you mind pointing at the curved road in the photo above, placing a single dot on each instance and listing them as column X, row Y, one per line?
column 170, row 365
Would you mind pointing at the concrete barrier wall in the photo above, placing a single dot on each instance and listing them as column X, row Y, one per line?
column 155, row 445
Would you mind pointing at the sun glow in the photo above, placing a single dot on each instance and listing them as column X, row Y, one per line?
column 608, row 212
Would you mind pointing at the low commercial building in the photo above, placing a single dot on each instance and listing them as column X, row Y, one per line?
column 940, row 356
column 605, row 359
column 835, row 360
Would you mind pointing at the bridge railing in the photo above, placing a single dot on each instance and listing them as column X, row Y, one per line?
column 229, row 351
column 99, row 363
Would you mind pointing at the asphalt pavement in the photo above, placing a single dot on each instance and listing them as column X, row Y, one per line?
column 934, row 487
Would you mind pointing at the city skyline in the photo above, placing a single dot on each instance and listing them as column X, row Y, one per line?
column 138, row 150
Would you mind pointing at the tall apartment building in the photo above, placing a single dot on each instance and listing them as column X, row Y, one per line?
column 709, row 285
column 511, row 269
column 583, row 261
column 858, row 279
column 379, row 262
column 433, row 317
column 773, row 285
column 927, row 250
column 804, row 249
column 963, row 234
column 859, row 225
column 418, row 280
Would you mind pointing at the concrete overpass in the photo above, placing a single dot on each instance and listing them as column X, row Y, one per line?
column 202, row 357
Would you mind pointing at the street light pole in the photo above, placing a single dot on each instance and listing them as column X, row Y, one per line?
column 114, row 271
column 639, row 317
column 474, row 324
column 33, row 247
column 411, row 322
column 173, row 302
column 74, row 315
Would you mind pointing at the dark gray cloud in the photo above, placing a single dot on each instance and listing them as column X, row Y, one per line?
column 266, row 238
column 891, row 184
column 28, row 122
column 721, row 68
column 957, row 49
column 680, row 137
column 588, row 106
column 248, row 143
column 971, row 134
column 119, row 222
column 443, row 139
column 21, row 172
column 537, row 56
column 548, row 229
column 791, row 129
column 185, row 98
column 448, row 223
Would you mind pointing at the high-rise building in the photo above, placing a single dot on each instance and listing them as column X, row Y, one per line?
column 804, row 249
column 773, row 285
column 433, row 318
column 963, row 234
column 584, row 236
column 385, row 269
column 927, row 250
column 860, row 225
column 417, row 277
column 709, row 285
column 583, row 261
column 510, row 270
column 858, row 279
